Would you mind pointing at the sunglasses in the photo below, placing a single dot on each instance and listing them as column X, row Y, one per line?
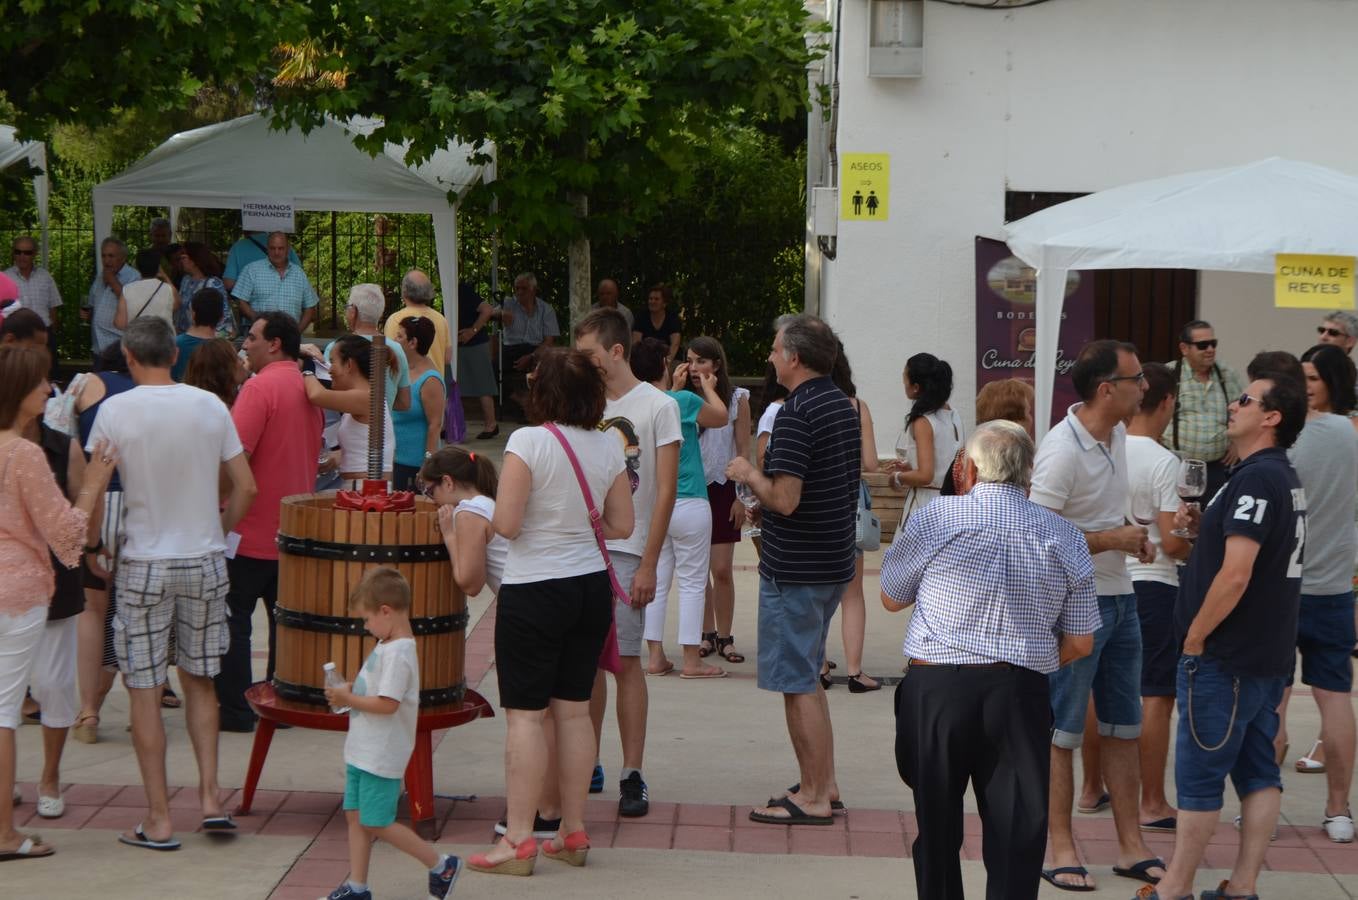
column 23, row 252
column 1245, row 400
column 1203, row 345
column 1331, row 332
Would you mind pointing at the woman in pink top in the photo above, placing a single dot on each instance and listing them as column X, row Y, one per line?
column 34, row 515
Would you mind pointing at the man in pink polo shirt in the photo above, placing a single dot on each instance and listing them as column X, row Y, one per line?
column 281, row 433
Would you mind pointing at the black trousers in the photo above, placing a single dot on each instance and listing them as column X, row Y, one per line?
column 251, row 579
column 990, row 727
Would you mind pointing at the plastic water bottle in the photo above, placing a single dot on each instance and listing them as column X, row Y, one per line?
column 333, row 680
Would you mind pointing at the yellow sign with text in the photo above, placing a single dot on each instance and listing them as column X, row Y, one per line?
column 1311, row 281
column 864, row 187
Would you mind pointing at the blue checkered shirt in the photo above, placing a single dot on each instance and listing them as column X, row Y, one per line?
column 260, row 286
column 994, row 578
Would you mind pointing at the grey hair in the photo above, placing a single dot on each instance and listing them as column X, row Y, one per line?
column 284, row 235
column 150, row 341
column 1347, row 319
column 810, row 339
column 368, row 301
column 116, row 242
column 1002, row 452
column 528, row 277
column 159, row 222
column 420, row 290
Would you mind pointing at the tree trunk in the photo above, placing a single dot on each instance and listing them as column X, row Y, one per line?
column 581, row 292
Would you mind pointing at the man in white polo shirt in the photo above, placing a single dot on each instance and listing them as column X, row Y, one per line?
column 1081, row 474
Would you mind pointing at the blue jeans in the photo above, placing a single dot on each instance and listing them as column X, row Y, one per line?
column 794, row 620
column 1227, row 724
column 1112, row 672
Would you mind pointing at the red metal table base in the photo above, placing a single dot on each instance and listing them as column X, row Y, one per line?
column 419, row 777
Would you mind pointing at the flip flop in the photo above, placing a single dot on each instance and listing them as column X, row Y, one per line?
column 1049, row 876
column 219, row 823
column 720, row 673
column 836, row 806
column 796, row 815
column 1167, row 825
column 141, row 840
column 1104, row 802
column 1138, row 871
column 26, row 850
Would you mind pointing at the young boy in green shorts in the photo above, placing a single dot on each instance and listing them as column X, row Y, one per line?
column 384, row 703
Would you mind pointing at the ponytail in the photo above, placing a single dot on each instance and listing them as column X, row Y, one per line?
column 464, row 467
column 933, row 377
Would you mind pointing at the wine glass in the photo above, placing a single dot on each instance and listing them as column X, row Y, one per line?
column 1191, row 485
column 745, row 494
column 905, row 449
column 1142, row 508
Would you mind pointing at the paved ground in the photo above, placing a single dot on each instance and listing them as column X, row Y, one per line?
column 714, row 748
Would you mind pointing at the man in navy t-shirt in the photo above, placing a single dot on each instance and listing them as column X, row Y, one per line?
column 1237, row 611
column 808, row 492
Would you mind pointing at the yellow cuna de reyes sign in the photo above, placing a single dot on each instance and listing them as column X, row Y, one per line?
column 1309, row 281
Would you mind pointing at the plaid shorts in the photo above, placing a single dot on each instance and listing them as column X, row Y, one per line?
column 156, row 595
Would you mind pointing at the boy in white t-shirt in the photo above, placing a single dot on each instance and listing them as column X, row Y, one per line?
column 384, row 705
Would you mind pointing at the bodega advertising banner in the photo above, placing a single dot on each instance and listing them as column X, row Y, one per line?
column 1006, row 322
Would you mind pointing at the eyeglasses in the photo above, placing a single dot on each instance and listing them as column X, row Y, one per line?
column 428, row 489
column 1245, row 400
column 18, row 252
column 1203, row 345
column 1139, row 376
column 1331, row 332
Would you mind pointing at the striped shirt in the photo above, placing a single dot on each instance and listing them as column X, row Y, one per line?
column 815, row 438
column 37, row 292
column 265, row 290
column 994, row 578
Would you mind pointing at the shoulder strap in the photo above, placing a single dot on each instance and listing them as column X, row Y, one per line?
column 595, row 518
column 148, row 300
column 1178, row 386
column 252, row 239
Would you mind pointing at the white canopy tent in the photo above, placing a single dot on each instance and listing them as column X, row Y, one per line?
column 217, row 166
column 12, row 151
column 1234, row 219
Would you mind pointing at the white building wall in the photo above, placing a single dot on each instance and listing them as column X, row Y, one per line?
column 1070, row 95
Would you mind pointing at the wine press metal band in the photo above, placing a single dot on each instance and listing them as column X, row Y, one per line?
column 363, row 553
column 348, row 626
column 315, row 696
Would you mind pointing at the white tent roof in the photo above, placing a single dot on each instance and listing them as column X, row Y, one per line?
column 11, row 151
column 1233, row 219
column 217, row 166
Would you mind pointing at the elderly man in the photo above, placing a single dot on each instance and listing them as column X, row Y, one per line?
column 172, row 567
column 101, row 304
column 1339, row 328
column 1238, row 605
column 281, row 433
column 808, row 491
column 1198, row 429
column 417, row 293
column 252, row 247
column 529, row 323
column 1004, row 595
column 606, row 297
column 1081, row 474
column 276, row 283
column 361, row 314
column 37, row 289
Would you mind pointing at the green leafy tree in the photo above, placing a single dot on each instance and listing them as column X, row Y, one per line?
column 592, row 104
column 85, row 61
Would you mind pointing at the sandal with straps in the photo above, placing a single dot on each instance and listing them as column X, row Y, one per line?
column 708, row 645
column 725, row 652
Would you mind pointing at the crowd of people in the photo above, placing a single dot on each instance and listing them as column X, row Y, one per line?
column 1066, row 596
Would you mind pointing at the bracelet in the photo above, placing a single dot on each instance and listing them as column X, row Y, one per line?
column 896, row 481
column 96, row 548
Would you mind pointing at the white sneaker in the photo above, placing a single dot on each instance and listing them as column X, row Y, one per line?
column 1339, row 828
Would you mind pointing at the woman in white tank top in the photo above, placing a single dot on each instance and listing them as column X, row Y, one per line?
column 933, row 431
column 350, row 393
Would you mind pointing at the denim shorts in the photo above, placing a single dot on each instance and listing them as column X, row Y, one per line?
column 1227, row 724
column 1159, row 642
column 1325, row 638
column 1112, row 672
column 373, row 796
column 794, row 620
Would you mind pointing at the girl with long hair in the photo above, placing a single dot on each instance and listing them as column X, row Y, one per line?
column 933, row 432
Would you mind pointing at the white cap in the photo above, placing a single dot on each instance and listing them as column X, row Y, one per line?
column 329, row 667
